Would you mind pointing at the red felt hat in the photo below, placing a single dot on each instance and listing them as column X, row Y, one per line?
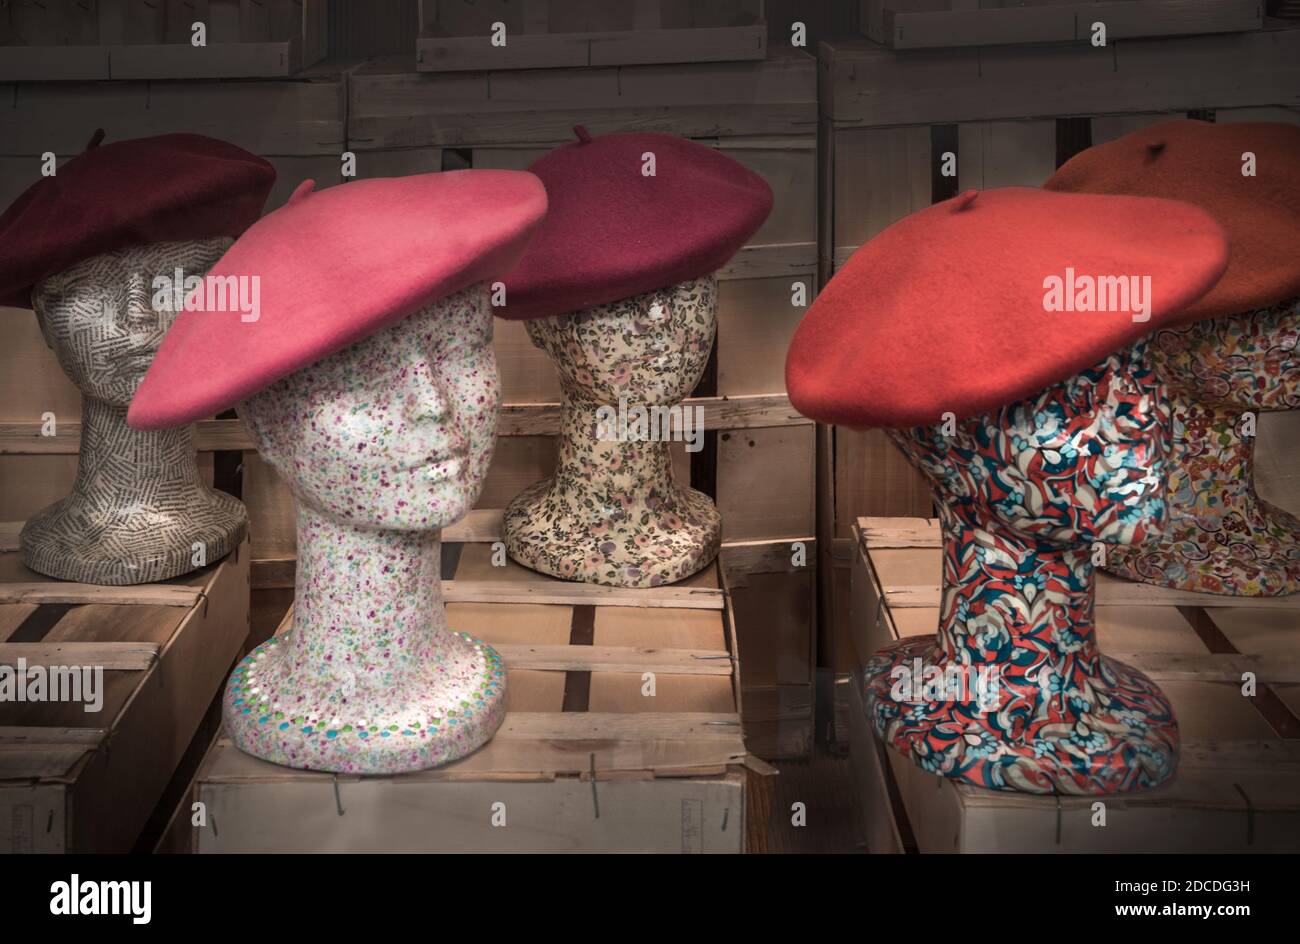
column 130, row 193
column 335, row 267
column 947, row 309
column 613, row 232
column 1201, row 163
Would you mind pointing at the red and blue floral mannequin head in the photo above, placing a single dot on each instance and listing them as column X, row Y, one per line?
column 1044, row 435
column 1025, row 493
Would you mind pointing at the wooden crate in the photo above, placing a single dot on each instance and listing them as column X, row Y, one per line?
column 457, row 35
column 43, row 40
column 1009, row 116
column 584, row 761
column 929, row 24
column 77, row 781
column 1237, row 788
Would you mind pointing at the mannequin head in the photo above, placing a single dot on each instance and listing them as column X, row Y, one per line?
column 99, row 317
column 650, row 348
column 396, row 431
column 1081, row 462
column 1246, row 361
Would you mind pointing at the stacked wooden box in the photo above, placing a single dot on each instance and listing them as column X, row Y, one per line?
column 73, row 780
column 458, row 35
column 1237, row 788
column 622, row 734
column 158, row 39
column 1006, row 115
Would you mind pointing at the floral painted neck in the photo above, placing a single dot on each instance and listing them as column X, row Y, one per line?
column 612, row 513
column 367, row 606
column 132, row 484
column 1220, row 536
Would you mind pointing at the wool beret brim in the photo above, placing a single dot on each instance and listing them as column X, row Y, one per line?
column 615, row 229
column 129, row 193
column 334, row 267
column 1246, row 176
column 947, row 309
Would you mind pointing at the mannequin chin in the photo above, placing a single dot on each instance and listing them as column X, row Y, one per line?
column 612, row 513
column 383, row 444
column 1027, row 496
column 139, row 511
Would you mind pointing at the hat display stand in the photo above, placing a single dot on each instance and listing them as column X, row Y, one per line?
column 612, row 513
column 1219, row 536
column 1013, row 693
column 383, row 444
column 138, row 511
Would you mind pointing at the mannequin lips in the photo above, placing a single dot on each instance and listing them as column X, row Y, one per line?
column 440, row 466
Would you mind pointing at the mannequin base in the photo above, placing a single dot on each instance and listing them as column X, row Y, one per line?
column 546, row 534
column 1130, row 744
column 1250, row 555
column 305, row 722
column 70, row 542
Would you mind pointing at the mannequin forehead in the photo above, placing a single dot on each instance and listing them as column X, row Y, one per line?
column 116, row 269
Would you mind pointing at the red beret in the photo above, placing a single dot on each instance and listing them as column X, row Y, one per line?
column 946, row 310
column 612, row 232
column 131, row 193
column 335, row 267
column 1201, row 163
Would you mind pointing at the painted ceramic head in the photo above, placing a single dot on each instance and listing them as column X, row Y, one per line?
column 104, row 318
column 396, row 431
column 1081, row 462
column 651, row 348
column 1247, row 361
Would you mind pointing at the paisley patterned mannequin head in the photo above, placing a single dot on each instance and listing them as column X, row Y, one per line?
column 382, row 443
column 612, row 513
column 1220, row 536
column 1025, row 495
column 138, row 511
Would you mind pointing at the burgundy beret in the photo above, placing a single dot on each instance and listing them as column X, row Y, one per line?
column 612, row 231
column 1201, row 163
column 130, row 193
column 947, row 310
column 333, row 267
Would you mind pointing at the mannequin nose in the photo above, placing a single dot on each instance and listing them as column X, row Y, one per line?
column 428, row 402
column 138, row 301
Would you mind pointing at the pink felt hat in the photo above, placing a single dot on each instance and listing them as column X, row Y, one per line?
column 613, row 230
column 334, row 267
column 129, row 193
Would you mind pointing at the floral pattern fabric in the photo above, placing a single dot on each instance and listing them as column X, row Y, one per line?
column 1220, row 536
column 1025, row 495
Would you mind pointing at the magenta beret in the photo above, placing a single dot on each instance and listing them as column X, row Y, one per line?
column 130, row 193
column 612, row 231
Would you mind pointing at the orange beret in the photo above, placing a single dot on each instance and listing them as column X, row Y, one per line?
column 1202, row 163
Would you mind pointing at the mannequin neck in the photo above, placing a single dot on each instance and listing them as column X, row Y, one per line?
column 595, row 453
column 139, row 469
column 367, row 602
column 1207, row 448
column 1010, row 592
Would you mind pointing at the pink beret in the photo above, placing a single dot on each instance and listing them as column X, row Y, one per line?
column 131, row 193
column 335, row 267
column 613, row 232
column 947, row 310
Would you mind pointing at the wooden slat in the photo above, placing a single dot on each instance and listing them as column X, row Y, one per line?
column 69, row 592
column 130, row 656
column 11, row 736
column 1215, row 667
column 578, row 594
column 612, row 659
